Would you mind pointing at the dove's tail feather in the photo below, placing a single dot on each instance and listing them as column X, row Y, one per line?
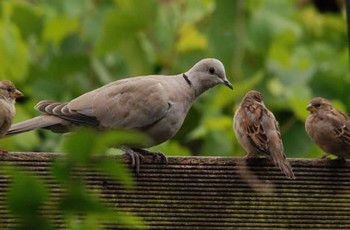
column 55, row 124
column 285, row 167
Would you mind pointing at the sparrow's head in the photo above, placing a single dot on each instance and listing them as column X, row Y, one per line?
column 9, row 91
column 318, row 104
column 253, row 97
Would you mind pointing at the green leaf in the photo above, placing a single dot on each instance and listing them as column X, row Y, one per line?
column 58, row 28
column 125, row 22
column 77, row 199
column 190, row 39
column 14, row 56
column 116, row 138
column 172, row 148
column 299, row 107
column 25, row 198
column 84, row 145
column 28, row 18
column 242, row 87
column 26, row 194
column 116, row 170
column 80, row 145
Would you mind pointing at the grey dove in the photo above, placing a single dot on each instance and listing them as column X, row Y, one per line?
column 328, row 128
column 156, row 105
column 257, row 131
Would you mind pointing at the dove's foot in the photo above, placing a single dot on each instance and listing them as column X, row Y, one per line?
column 157, row 156
column 137, row 156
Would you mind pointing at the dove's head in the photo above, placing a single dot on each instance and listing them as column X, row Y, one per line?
column 206, row 74
column 318, row 104
column 9, row 92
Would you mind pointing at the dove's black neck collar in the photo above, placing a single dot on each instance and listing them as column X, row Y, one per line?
column 186, row 79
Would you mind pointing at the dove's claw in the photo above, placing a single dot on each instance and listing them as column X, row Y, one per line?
column 157, row 156
column 137, row 156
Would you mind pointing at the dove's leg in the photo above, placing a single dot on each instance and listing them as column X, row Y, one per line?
column 137, row 156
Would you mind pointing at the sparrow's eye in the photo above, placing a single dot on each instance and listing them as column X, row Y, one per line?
column 9, row 90
column 317, row 105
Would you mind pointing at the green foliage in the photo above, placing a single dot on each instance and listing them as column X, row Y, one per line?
column 60, row 49
column 25, row 198
column 81, row 207
column 83, row 149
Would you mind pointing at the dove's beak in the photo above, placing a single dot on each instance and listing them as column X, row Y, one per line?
column 17, row 94
column 228, row 84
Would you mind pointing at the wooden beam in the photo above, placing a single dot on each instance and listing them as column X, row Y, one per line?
column 209, row 193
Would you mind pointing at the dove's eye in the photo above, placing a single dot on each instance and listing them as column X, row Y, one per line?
column 211, row 70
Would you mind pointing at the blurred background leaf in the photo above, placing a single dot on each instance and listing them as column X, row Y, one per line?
column 25, row 199
column 83, row 149
column 289, row 50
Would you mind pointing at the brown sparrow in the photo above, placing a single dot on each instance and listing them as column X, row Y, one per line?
column 257, row 131
column 328, row 128
column 8, row 96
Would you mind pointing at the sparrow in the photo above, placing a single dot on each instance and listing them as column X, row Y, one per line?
column 155, row 105
column 328, row 128
column 257, row 131
column 8, row 96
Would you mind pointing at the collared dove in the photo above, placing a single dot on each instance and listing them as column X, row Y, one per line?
column 328, row 128
column 156, row 104
column 256, row 129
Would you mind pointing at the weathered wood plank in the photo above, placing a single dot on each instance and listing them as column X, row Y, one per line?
column 208, row 193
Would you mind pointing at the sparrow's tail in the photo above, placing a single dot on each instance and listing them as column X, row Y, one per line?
column 285, row 167
column 55, row 124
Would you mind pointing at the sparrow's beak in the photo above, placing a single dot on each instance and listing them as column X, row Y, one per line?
column 17, row 94
column 310, row 107
column 228, row 84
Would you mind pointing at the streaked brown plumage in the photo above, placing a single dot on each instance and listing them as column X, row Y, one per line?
column 328, row 128
column 257, row 131
column 8, row 96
